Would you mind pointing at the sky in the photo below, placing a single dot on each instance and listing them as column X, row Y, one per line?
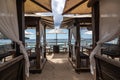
column 57, row 9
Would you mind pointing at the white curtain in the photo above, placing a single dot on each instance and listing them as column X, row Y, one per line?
column 109, row 26
column 70, row 34
column 41, row 37
column 74, row 32
column 9, row 26
column 74, row 54
column 41, row 30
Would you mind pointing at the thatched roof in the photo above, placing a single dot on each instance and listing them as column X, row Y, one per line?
column 35, row 6
column 76, row 7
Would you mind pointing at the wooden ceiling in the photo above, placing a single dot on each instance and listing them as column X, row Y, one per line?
column 48, row 21
column 35, row 6
column 83, row 22
column 76, row 7
column 32, row 21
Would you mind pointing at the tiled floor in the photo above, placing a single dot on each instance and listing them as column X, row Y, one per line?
column 58, row 68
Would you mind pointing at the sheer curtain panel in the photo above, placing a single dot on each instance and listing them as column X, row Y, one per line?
column 9, row 26
column 109, row 26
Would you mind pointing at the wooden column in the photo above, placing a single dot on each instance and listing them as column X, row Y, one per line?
column 21, row 24
column 77, row 45
column 118, row 41
column 95, row 22
column 38, row 45
column 44, row 41
column 69, row 42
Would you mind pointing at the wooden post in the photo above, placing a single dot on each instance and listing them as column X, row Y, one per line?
column 95, row 22
column 69, row 42
column 38, row 45
column 21, row 24
column 77, row 44
column 44, row 40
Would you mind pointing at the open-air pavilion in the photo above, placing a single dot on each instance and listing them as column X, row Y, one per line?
column 100, row 62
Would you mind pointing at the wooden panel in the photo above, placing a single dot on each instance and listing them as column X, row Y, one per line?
column 13, row 69
column 31, row 21
column 107, row 69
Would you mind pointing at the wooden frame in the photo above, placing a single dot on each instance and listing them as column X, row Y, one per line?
column 79, row 55
column 35, row 22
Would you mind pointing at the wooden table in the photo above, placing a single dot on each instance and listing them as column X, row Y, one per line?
column 88, row 49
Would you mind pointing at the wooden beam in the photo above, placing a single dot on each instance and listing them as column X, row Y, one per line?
column 46, row 20
column 41, row 5
column 95, row 23
column 31, row 21
column 83, row 1
column 69, row 42
column 77, row 44
column 91, row 3
column 68, row 20
column 21, row 24
column 84, row 19
column 44, row 41
column 38, row 46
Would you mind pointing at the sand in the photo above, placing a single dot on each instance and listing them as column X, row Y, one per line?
column 59, row 68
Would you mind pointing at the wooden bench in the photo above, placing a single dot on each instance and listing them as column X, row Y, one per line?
column 13, row 69
column 107, row 68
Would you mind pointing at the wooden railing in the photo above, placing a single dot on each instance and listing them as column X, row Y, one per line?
column 13, row 69
column 106, row 68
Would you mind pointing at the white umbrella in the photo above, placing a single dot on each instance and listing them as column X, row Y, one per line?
column 88, row 32
column 28, row 33
column 56, row 31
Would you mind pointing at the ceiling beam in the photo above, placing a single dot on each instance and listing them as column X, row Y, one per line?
column 46, row 20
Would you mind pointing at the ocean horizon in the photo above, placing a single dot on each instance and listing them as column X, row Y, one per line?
column 31, row 42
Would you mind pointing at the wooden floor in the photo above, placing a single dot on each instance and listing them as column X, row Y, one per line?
column 59, row 68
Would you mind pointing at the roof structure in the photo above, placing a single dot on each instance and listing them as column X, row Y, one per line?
column 48, row 21
column 31, row 21
column 35, row 6
column 83, row 21
column 32, row 7
column 76, row 7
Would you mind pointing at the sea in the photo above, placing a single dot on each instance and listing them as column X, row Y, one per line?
column 49, row 42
